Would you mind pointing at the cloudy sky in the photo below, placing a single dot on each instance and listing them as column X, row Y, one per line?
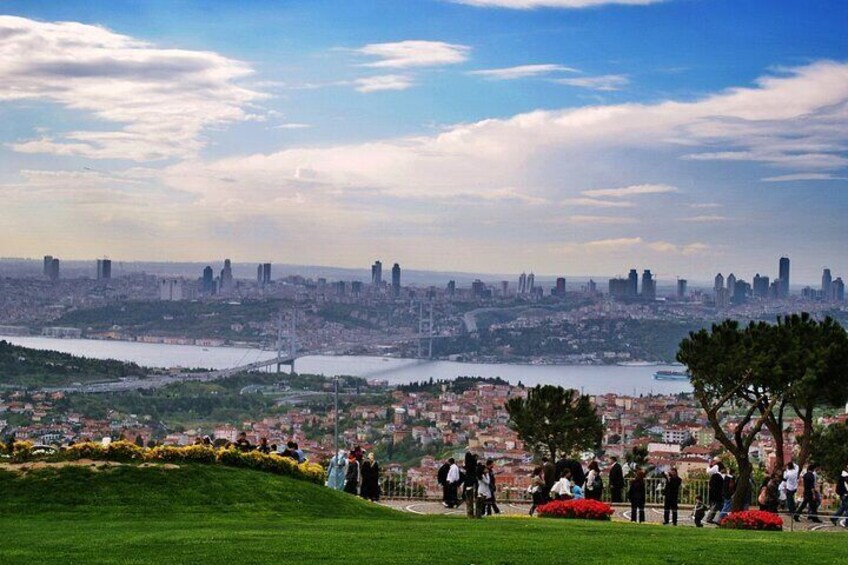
column 569, row 137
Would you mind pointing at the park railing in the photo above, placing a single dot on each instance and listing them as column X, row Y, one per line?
column 402, row 486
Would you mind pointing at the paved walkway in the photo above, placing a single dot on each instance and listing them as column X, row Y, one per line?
column 622, row 514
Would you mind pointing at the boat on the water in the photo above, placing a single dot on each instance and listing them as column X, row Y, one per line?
column 671, row 376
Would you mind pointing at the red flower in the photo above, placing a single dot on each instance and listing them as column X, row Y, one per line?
column 581, row 509
column 752, row 520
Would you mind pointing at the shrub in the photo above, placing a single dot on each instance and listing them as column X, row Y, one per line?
column 583, row 509
column 271, row 463
column 187, row 454
column 752, row 520
column 85, row 450
column 124, row 451
column 21, row 451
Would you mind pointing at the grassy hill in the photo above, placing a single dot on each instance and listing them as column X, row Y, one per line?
column 211, row 514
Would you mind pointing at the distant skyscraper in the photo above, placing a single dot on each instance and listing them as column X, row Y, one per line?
column 451, row 290
column 827, row 281
column 504, row 288
column 619, row 288
column 719, row 283
column 170, row 289
column 356, row 288
column 531, row 282
column 592, row 287
column 741, row 290
column 104, row 269
column 53, row 273
column 560, row 287
column 761, row 286
column 396, row 279
column 784, row 277
column 681, row 289
column 377, row 273
column 208, row 284
column 649, row 285
column 227, row 283
column 731, row 283
column 522, row 283
column 633, row 284
column 48, row 262
column 838, row 288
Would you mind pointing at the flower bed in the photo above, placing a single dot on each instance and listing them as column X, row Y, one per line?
column 583, row 509
column 752, row 520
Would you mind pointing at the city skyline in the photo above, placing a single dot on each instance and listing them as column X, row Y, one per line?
column 450, row 135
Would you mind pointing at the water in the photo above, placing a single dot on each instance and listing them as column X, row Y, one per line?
column 590, row 379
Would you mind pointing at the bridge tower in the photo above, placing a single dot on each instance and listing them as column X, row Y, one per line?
column 288, row 338
column 425, row 325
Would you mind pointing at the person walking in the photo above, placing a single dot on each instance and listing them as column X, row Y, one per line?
column 453, row 483
column 484, row 491
column 336, row 471
column 537, row 488
column 594, row 482
column 811, row 496
column 616, row 481
column 636, row 494
column 549, row 474
column 842, row 493
column 442, row 479
column 353, row 475
column 699, row 511
column 671, row 496
column 370, row 479
column 727, row 492
column 469, row 489
column 790, row 477
column 492, row 506
column 716, row 484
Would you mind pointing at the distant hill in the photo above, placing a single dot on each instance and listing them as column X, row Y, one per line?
column 21, row 366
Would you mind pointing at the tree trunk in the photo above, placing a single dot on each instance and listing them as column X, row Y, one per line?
column 743, row 484
column 804, row 454
column 775, row 427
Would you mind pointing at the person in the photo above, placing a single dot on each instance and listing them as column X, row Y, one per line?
column 811, row 496
column 842, row 493
column 336, row 471
column 594, row 483
column 773, row 494
column 574, row 467
column 790, row 477
column 289, row 451
column 562, row 488
column 616, row 481
column 263, row 446
column 636, row 494
column 470, row 485
column 549, row 473
column 454, row 479
column 699, row 511
column 370, row 479
column 671, row 496
column 442, row 479
column 493, row 505
column 536, row 489
column 716, row 473
column 242, row 444
column 727, row 491
column 577, row 492
column 353, row 475
column 484, row 491
column 299, row 455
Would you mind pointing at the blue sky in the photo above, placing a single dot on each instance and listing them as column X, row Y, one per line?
column 686, row 136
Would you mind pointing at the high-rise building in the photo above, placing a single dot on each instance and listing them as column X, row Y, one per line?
column 827, row 281
column 761, row 286
column 619, row 288
column 633, row 284
column 356, row 288
column 838, row 288
column 741, row 290
column 170, row 289
column 227, row 283
column 451, row 290
column 263, row 273
column 53, row 274
column 522, row 283
column 731, row 283
column 48, row 262
column 208, row 283
column 681, row 288
column 504, row 288
column 592, row 287
column 649, row 285
column 531, row 282
column 784, row 277
column 719, row 283
column 104, row 269
column 396, row 280
column 377, row 273
column 560, row 287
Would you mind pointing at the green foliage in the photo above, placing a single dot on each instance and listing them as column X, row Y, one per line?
column 555, row 420
column 829, row 449
column 21, row 366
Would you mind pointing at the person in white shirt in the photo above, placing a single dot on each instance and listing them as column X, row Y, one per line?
column 562, row 488
column 790, row 477
column 453, row 480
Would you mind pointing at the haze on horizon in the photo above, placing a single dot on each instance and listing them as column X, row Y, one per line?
column 490, row 136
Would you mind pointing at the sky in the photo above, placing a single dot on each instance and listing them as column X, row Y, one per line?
column 572, row 137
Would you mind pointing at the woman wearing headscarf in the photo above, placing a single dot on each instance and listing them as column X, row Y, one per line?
column 336, row 471
column 370, row 478
column 353, row 476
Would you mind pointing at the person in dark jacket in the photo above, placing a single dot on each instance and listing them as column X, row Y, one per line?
column 370, row 479
column 842, row 492
column 469, row 488
column 549, row 474
column 578, row 476
column 811, row 496
column 616, row 481
column 671, row 496
column 636, row 494
column 353, row 475
column 442, row 479
column 492, row 505
column 594, row 483
column 714, row 494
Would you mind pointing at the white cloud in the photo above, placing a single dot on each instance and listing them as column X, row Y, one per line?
column 704, row 219
column 160, row 100
column 383, row 82
column 803, row 177
column 414, row 53
column 292, row 125
column 530, row 4
column 600, row 220
column 634, row 190
column 603, row 83
column 615, row 243
column 594, row 202
column 522, row 71
column 705, row 205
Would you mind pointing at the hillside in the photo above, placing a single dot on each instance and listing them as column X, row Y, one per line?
column 199, row 514
column 22, row 366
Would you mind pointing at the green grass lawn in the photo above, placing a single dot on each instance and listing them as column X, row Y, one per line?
column 210, row 514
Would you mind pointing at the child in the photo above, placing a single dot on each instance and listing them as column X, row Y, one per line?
column 577, row 492
column 700, row 511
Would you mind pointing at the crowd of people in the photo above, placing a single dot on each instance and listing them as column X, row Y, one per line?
column 355, row 473
column 473, row 483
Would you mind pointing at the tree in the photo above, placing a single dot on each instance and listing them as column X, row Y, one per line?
column 555, row 420
column 829, row 449
column 637, row 457
column 725, row 368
